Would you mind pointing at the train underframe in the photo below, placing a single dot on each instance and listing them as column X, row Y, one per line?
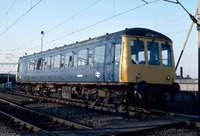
column 121, row 95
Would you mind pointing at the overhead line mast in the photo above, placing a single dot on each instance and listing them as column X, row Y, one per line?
column 196, row 21
column 185, row 43
column 198, row 29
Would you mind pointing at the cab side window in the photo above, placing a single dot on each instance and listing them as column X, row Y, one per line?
column 117, row 52
column 166, row 55
column 90, row 56
column 75, row 60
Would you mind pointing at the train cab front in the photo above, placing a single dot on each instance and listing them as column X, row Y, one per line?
column 147, row 64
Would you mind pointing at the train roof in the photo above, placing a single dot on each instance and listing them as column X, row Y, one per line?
column 128, row 31
column 145, row 32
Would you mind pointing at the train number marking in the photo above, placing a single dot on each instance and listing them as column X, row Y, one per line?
column 97, row 74
column 80, row 75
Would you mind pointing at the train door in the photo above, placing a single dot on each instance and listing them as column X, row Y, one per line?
column 82, row 71
column 98, row 63
column 109, row 62
column 117, row 54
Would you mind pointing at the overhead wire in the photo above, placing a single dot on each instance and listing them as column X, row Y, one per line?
column 115, row 15
column 20, row 18
column 60, row 24
column 97, row 22
column 182, row 31
column 26, row 43
column 191, row 16
column 170, row 21
column 104, row 21
column 74, row 15
column 8, row 10
column 145, row 1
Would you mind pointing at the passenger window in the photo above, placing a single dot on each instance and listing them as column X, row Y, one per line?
column 137, row 52
column 99, row 54
column 56, row 61
column 39, row 64
column 19, row 67
column 153, row 53
column 35, row 64
column 82, row 57
column 49, row 62
column 51, row 65
column 45, row 63
column 90, row 56
column 27, row 66
column 117, row 52
column 62, row 61
column 68, row 59
column 31, row 65
column 75, row 59
column 166, row 55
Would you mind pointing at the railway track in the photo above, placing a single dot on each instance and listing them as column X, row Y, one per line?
column 161, row 118
column 36, row 121
column 132, row 111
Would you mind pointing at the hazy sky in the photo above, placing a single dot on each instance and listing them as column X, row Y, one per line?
column 68, row 21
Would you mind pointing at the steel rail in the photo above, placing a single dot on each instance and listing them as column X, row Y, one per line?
column 110, row 107
column 132, row 111
column 191, row 120
column 62, row 121
column 35, row 127
column 25, row 124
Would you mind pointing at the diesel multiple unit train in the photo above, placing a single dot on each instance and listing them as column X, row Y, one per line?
column 130, row 67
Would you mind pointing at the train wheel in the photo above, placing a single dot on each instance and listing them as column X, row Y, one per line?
column 92, row 99
column 138, row 100
column 121, row 102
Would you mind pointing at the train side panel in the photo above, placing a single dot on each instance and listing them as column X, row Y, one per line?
column 102, row 67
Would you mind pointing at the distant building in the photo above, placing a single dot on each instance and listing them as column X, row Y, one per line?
column 4, row 80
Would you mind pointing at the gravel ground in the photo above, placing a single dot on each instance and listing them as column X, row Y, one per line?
column 80, row 115
column 95, row 118
column 6, row 131
column 178, row 131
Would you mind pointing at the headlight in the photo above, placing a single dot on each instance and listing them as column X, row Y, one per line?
column 138, row 75
column 168, row 77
